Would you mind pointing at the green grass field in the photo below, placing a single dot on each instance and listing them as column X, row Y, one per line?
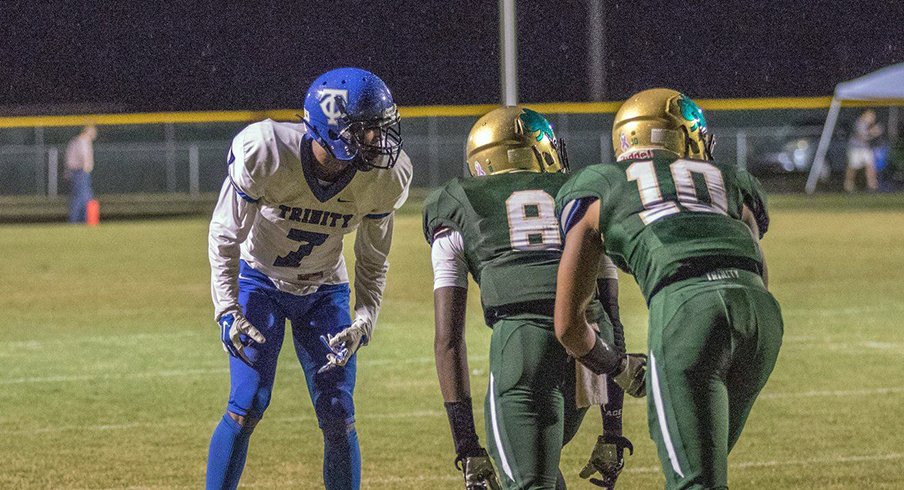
column 113, row 376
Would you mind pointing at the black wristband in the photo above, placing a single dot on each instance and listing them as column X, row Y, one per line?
column 603, row 359
column 461, row 420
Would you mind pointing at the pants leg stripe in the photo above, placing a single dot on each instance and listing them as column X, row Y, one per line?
column 496, row 434
column 660, row 414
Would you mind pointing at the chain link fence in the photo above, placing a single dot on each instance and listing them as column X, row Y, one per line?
column 190, row 159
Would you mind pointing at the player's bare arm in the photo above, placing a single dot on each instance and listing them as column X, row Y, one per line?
column 450, row 296
column 582, row 252
column 451, row 355
column 449, row 346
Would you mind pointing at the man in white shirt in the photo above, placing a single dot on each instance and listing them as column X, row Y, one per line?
column 275, row 246
column 860, row 151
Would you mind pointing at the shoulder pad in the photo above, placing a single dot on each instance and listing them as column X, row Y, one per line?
column 444, row 208
column 253, row 158
column 587, row 182
column 390, row 184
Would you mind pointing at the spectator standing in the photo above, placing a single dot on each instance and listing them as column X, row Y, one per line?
column 79, row 164
column 860, row 152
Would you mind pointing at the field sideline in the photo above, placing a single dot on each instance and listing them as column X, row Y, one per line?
column 113, row 375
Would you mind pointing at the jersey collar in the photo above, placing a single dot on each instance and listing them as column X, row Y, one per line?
column 322, row 193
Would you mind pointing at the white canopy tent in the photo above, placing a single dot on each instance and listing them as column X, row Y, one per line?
column 884, row 84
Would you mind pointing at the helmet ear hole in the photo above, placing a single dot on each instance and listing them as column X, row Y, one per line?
column 549, row 160
column 687, row 141
column 539, row 156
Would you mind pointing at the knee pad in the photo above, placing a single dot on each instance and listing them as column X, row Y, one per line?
column 250, row 400
column 335, row 411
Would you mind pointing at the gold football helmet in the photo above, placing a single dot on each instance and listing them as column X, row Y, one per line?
column 661, row 119
column 513, row 138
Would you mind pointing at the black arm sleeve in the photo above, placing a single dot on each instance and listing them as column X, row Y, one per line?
column 461, row 419
column 608, row 294
column 612, row 410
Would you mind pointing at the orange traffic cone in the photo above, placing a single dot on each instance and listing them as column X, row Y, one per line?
column 92, row 213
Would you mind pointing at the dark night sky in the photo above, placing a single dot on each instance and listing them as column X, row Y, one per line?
column 148, row 56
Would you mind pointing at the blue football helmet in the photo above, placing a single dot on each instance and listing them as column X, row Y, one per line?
column 350, row 113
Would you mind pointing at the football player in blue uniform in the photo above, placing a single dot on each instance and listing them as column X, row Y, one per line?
column 275, row 247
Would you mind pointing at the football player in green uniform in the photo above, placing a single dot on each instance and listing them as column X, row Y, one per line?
column 688, row 229
column 500, row 226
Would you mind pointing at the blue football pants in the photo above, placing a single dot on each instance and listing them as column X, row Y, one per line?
column 323, row 312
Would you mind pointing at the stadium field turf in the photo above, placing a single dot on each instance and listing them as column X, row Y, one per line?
column 113, row 375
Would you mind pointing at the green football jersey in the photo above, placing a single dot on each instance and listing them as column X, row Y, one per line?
column 510, row 233
column 660, row 215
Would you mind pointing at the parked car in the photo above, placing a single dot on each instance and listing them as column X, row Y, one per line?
column 791, row 149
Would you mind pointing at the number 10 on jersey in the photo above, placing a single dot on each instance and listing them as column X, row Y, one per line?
column 656, row 207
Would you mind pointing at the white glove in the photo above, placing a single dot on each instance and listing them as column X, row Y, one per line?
column 345, row 344
column 233, row 326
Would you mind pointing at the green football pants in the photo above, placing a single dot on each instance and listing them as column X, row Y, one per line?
column 713, row 343
column 526, row 416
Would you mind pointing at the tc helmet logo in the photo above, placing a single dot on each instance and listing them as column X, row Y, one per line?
column 332, row 103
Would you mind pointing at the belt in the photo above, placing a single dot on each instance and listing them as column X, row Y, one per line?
column 701, row 266
column 544, row 307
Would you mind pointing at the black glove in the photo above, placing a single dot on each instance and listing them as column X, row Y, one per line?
column 608, row 458
column 478, row 471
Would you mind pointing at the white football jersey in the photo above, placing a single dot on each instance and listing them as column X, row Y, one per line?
column 295, row 235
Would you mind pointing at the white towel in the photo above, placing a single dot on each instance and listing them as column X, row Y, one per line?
column 590, row 388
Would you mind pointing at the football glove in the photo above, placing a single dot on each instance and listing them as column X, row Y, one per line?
column 236, row 333
column 478, row 471
column 633, row 378
column 345, row 344
column 608, row 458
